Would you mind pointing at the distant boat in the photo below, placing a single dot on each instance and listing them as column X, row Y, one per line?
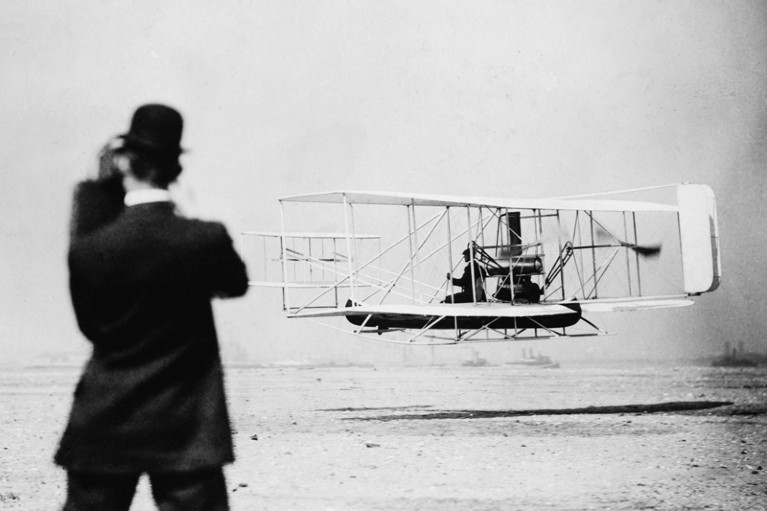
column 531, row 359
column 475, row 361
column 58, row 359
column 738, row 357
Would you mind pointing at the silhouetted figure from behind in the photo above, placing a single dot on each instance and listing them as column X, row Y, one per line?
column 151, row 398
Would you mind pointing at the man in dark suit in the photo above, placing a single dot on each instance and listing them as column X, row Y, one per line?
column 151, row 397
column 471, row 282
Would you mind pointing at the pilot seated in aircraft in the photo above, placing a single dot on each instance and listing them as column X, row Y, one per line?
column 469, row 292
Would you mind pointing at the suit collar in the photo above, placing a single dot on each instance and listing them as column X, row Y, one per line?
column 136, row 197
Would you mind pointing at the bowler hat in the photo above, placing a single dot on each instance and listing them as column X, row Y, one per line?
column 155, row 128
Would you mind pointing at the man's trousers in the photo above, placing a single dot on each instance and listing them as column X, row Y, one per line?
column 203, row 490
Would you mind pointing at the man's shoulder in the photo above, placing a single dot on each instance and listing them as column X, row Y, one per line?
column 203, row 230
column 206, row 226
column 95, row 204
column 104, row 187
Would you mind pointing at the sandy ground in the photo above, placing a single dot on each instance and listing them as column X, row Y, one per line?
column 425, row 438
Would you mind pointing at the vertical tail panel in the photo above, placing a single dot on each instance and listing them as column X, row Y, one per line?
column 699, row 235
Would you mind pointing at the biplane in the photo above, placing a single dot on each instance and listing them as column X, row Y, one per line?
column 386, row 265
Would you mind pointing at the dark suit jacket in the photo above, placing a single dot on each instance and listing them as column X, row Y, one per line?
column 466, row 279
column 151, row 398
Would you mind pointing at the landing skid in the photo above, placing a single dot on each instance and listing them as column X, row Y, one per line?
column 431, row 337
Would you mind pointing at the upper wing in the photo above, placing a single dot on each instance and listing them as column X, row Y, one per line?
column 402, row 199
column 312, row 235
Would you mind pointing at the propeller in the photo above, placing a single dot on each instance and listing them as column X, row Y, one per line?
column 650, row 251
column 644, row 250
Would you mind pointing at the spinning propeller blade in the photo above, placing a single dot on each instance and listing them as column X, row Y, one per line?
column 650, row 251
column 645, row 250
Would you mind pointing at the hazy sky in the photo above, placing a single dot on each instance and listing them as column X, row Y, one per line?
column 283, row 97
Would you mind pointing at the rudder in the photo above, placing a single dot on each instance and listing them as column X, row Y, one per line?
column 699, row 235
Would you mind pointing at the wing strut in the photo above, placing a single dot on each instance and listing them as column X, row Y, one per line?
column 426, row 328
